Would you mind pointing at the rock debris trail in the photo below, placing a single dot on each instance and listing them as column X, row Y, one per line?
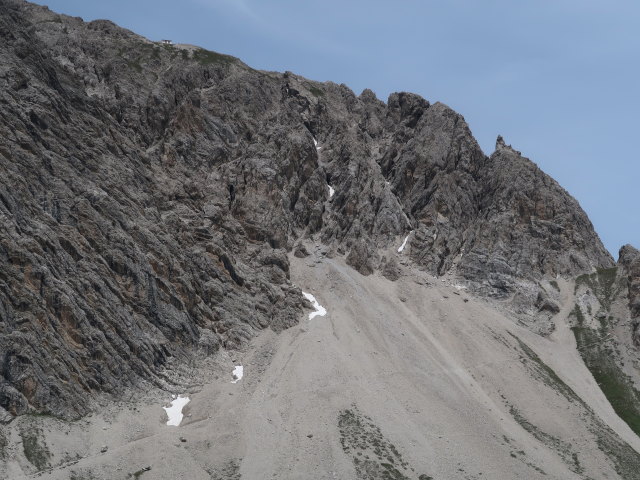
column 442, row 378
column 448, row 381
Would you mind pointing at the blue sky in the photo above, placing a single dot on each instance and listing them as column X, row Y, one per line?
column 559, row 79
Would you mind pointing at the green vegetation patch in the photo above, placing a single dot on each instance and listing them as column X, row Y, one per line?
column 3, row 445
column 317, row 92
column 564, row 449
column 171, row 50
column 374, row 457
column 207, row 57
column 555, row 285
column 229, row 471
column 602, row 283
column 545, row 373
column 78, row 475
column 135, row 65
column 614, row 383
column 35, row 450
column 624, row 458
column 577, row 314
column 617, row 388
column 139, row 54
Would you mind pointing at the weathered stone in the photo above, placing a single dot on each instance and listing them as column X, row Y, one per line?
column 149, row 195
column 546, row 304
column 362, row 258
column 300, row 251
column 391, row 269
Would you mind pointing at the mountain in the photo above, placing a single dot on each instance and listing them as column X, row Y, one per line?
column 164, row 207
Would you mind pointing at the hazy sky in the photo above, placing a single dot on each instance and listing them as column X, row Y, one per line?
column 557, row 78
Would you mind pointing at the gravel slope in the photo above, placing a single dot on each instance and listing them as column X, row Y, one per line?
column 440, row 384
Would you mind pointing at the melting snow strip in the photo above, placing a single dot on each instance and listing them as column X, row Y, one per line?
column 331, row 191
column 315, row 142
column 238, row 373
column 404, row 244
column 320, row 310
column 174, row 412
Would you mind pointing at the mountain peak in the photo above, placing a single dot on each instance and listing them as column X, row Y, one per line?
column 627, row 254
column 502, row 145
column 170, row 215
column 170, row 207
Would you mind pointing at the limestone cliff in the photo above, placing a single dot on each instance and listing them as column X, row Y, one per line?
column 150, row 193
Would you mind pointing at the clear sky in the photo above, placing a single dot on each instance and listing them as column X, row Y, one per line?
column 559, row 79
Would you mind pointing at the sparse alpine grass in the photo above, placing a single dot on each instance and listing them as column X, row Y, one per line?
column 374, row 457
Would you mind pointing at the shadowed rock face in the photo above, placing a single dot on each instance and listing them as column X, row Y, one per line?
column 629, row 260
column 149, row 194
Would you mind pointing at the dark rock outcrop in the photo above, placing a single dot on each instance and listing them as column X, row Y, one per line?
column 546, row 304
column 149, row 194
column 300, row 251
column 629, row 261
column 503, row 217
column 390, row 269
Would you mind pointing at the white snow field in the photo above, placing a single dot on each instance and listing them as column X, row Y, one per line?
column 319, row 309
column 174, row 412
column 404, row 243
column 238, row 373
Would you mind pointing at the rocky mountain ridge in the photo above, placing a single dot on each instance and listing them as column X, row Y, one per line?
column 150, row 195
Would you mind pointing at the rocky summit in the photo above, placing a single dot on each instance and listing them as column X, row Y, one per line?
column 165, row 205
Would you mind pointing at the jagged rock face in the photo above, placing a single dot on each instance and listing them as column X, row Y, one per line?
column 501, row 217
column 528, row 225
column 629, row 260
column 115, row 255
column 149, row 195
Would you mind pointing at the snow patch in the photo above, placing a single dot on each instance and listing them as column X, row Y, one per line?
column 331, row 191
column 460, row 287
column 319, row 309
column 174, row 412
column 315, row 143
column 404, row 244
column 238, row 373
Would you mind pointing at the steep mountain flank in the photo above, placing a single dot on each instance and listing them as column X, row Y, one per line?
column 411, row 379
column 604, row 321
column 150, row 193
column 629, row 261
